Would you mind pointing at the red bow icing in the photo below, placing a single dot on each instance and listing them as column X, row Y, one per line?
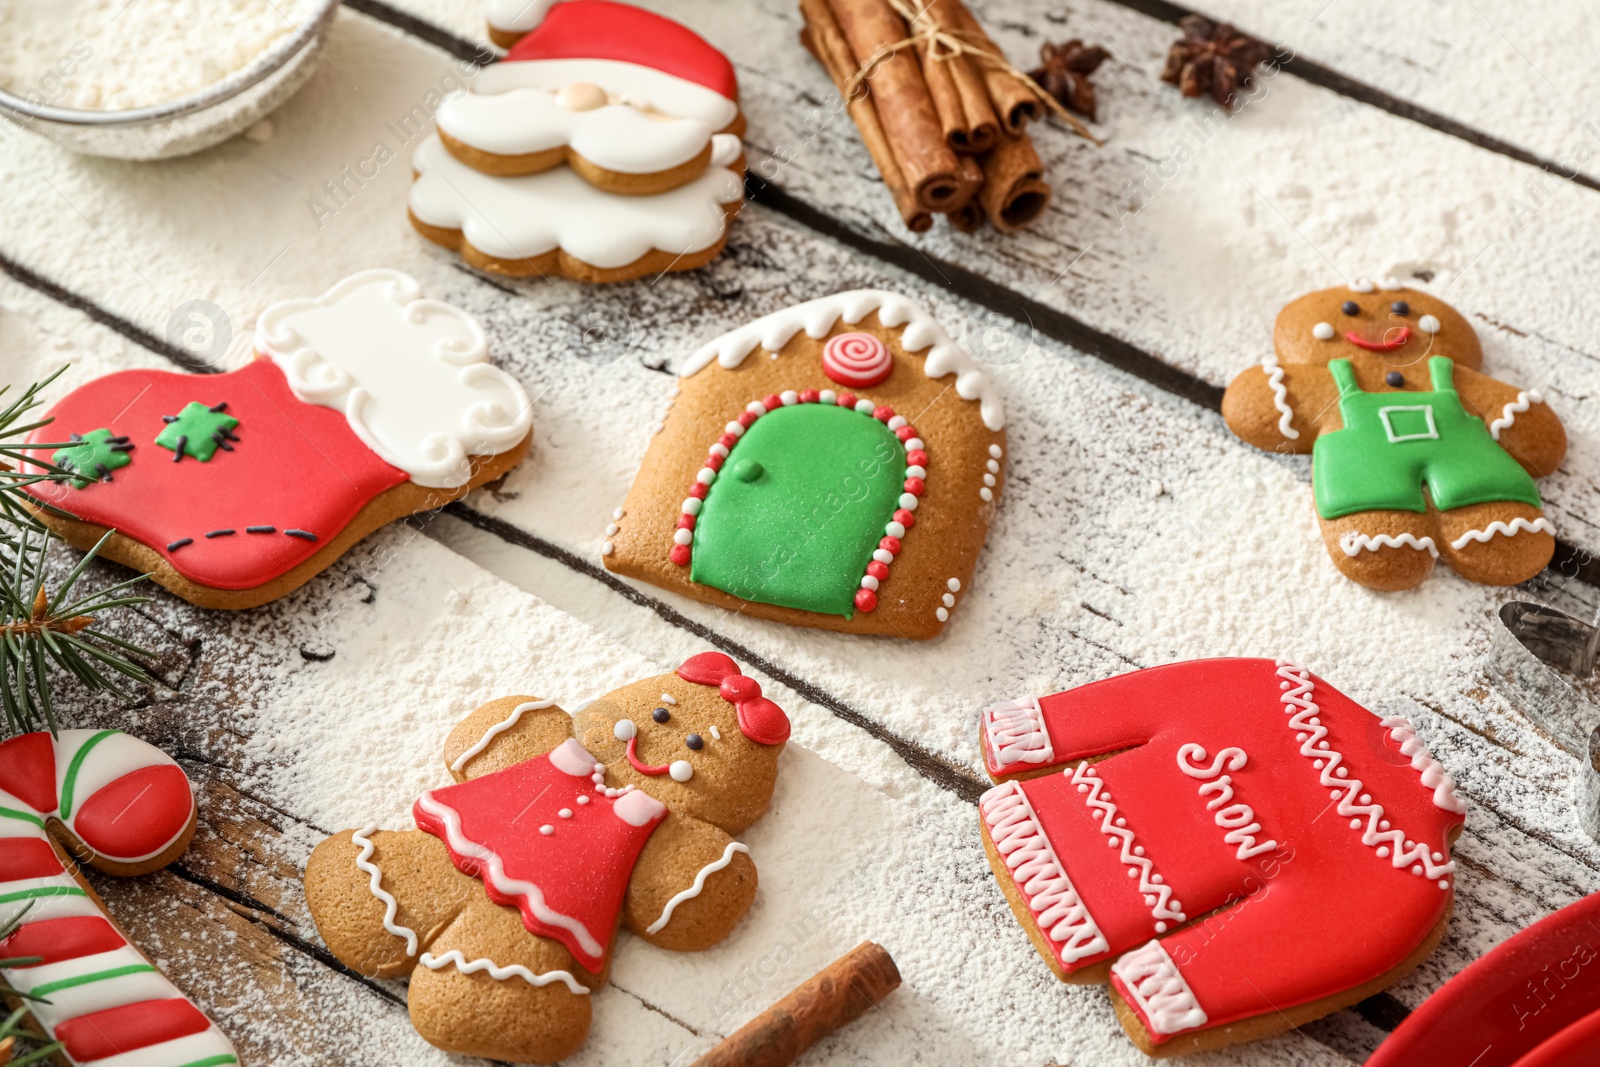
column 760, row 719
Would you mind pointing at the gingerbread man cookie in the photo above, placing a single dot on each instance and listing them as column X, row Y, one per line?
column 125, row 808
column 1276, row 852
column 503, row 905
column 1415, row 455
column 364, row 405
column 789, row 482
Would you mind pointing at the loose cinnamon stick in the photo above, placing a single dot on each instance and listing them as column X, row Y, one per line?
column 910, row 123
column 1014, row 101
column 833, row 997
column 1014, row 192
column 823, row 38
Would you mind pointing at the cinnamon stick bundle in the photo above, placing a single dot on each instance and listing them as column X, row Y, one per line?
column 824, row 40
column 1014, row 101
column 957, row 88
column 830, row 999
column 1014, row 192
column 900, row 95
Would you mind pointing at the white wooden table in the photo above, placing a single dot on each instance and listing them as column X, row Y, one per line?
column 1412, row 140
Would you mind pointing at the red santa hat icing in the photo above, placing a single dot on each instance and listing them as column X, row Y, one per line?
column 622, row 33
column 760, row 719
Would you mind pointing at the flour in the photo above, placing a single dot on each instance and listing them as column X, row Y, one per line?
column 108, row 55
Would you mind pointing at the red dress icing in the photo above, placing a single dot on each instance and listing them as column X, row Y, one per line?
column 569, row 881
column 1248, row 785
column 600, row 29
column 295, row 466
column 1533, row 1001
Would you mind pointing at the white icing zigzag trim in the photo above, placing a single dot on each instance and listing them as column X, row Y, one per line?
column 1157, row 894
column 1158, row 990
column 455, row 959
column 1508, row 414
column 1390, row 842
column 1356, row 543
column 391, row 906
column 1517, row 525
column 699, row 884
column 499, row 728
column 817, row 317
column 1433, row 773
column 1038, row 875
column 1014, row 732
column 1280, row 397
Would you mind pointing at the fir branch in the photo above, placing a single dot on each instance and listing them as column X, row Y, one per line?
column 12, row 1032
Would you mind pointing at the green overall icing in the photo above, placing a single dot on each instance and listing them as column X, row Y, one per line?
column 201, row 430
column 1392, row 444
column 93, row 457
column 794, row 520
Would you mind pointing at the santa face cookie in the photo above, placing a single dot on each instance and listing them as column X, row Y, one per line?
column 364, row 405
column 503, row 905
column 1260, row 850
column 789, row 482
column 106, row 799
column 633, row 102
column 1416, row 456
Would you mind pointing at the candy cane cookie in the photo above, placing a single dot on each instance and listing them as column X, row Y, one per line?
column 125, row 808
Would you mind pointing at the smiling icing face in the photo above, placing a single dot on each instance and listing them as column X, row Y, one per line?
column 687, row 745
column 1379, row 324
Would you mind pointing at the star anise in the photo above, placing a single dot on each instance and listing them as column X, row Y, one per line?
column 1065, row 74
column 1213, row 57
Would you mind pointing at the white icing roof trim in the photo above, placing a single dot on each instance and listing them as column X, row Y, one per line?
column 412, row 376
column 816, row 317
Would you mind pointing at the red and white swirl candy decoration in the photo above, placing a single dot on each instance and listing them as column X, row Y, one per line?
column 856, row 360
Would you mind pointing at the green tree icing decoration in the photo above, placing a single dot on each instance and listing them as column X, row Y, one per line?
column 799, row 507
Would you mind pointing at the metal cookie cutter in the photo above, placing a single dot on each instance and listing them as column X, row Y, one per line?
column 1543, row 660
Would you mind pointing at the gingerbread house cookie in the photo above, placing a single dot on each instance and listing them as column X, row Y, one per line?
column 1235, row 845
column 834, row 465
column 364, row 405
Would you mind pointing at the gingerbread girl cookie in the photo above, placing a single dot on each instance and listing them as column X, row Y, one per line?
column 789, row 482
column 604, row 148
column 364, row 405
column 503, row 905
column 1276, row 852
column 1415, row 455
column 123, row 807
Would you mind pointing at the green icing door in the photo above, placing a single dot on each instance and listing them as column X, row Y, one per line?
column 797, row 510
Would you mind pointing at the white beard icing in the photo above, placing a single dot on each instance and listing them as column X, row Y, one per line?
column 617, row 137
column 525, row 217
column 665, row 92
column 412, row 376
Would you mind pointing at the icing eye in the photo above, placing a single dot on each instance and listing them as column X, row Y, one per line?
column 1350, row 307
column 680, row 771
column 1322, row 331
column 661, row 715
column 1395, row 379
column 624, row 730
column 1400, row 307
column 1428, row 324
column 695, row 741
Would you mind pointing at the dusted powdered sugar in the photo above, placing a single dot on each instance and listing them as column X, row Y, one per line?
column 107, row 55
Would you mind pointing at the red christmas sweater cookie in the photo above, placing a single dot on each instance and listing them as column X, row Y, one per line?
column 366, row 404
column 1260, row 850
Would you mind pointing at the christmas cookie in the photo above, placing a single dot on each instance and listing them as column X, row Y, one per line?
column 633, row 102
column 1416, row 456
column 1259, row 851
column 834, row 465
column 503, row 905
column 1531, row 1002
column 123, row 807
column 364, row 405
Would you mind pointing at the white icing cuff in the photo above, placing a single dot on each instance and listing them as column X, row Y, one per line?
column 1280, row 397
column 1354, row 544
column 1013, row 733
column 699, row 885
column 1157, row 989
column 1511, row 529
column 412, row 376
column 455, row 959
column 362, row 838
column 1039, row 876
column 639, row 809
column 1508, row 414
column 1433, row 773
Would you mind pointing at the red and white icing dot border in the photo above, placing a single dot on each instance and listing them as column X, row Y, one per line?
column 893, row 532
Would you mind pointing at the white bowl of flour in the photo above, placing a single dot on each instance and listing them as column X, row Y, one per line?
column 151, row 79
